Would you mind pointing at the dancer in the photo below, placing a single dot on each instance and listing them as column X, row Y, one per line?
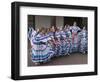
column 75, row 44
column 83, row 41
column 68, row 39
column 40, row 51
column 63, row 40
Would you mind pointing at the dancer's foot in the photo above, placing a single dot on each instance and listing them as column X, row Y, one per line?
column 83, row 53
column 68, row 54
column 37, row 63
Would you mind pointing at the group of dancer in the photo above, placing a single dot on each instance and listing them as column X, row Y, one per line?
column 56, row 41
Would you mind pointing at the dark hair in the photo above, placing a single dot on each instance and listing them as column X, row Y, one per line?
column 54, row 28
column 42, row 29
